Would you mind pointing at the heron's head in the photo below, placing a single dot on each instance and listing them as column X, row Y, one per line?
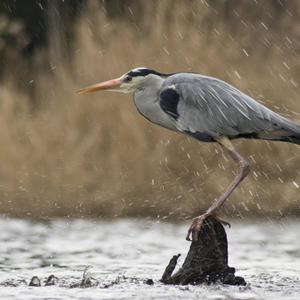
column 131, row 81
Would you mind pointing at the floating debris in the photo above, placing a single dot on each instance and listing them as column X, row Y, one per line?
column 51, row 280
column 149, row 281
column 35, row 281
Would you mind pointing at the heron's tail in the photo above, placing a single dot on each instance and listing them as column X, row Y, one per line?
column 280, row 136
column 291, row 139
column 290, row 132
column 283, row 130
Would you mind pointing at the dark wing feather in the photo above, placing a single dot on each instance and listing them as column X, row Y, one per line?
column 211, row 106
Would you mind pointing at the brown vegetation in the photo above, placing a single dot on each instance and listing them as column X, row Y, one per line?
column 95, row 155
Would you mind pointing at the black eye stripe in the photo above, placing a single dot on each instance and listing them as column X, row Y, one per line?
column 145, row 72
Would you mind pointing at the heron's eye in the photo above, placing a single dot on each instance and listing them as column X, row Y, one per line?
column 127, row 79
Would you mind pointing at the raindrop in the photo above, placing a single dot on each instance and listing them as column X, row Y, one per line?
column 264, row 25
column 286, row 65
column 296, row 184
column 166, row 50
column 282, row 77
column 294, row 83
column 245, row 52
column 237, row 74
column 40, row 5
column 130, row 10
column 278, row 167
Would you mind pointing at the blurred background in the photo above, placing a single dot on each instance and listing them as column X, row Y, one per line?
column 67, row 155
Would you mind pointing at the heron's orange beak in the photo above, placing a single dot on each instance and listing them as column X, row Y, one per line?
column 106, row 85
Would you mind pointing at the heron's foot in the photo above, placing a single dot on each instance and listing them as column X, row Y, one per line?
column 194, row 229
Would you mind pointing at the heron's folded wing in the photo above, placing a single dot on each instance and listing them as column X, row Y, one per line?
column 211, row 106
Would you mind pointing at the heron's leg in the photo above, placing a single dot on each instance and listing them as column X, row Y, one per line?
column 244, row 168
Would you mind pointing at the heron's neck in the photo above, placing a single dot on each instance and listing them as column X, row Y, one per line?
column 147, row 103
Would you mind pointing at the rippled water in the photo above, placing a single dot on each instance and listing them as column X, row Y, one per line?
column 124, row 253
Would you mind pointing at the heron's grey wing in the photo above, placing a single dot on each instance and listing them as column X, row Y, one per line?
column 206, row 105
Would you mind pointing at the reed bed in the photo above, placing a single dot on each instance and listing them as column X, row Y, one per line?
column 67, row 155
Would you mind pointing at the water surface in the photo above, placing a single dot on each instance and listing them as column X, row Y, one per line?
column 122, row 254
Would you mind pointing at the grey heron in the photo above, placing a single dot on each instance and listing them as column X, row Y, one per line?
column 204, row 108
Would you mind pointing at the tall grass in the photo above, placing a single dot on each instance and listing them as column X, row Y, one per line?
column 95, row 155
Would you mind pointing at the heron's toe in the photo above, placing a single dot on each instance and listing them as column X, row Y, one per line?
column 194, row 229
column 225, row 223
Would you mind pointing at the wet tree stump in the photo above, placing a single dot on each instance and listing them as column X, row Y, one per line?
column 206, row 261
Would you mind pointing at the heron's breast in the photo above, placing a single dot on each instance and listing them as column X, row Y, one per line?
column 149, row 107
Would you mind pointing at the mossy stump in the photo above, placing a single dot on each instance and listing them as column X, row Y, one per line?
column 206, row 261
